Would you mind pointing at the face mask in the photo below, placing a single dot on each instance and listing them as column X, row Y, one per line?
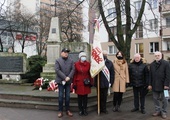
column 119, row 57
column 83, row 59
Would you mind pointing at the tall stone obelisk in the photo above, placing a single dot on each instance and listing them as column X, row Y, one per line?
column 53, row 49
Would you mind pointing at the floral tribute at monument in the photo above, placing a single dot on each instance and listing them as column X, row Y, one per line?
column 50, row 85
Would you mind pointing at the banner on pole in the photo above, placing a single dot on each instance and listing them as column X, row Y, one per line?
column 97, row 61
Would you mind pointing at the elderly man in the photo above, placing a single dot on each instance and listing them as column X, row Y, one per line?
column 106, row 79
column 139, row 76
column 158, row 82
column 64, row 67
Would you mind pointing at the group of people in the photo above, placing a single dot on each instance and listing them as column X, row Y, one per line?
column 137, row 74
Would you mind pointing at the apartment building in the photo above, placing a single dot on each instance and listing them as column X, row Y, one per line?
column 152, row 35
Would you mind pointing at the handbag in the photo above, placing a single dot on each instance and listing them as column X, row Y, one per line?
column 86, row 81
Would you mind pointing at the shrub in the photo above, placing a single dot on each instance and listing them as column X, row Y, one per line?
column 34, row 66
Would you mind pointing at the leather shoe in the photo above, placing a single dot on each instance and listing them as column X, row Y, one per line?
column 69, row 113
column 114, row 109
column 143, row 111
column 105, row 111
column 118, row 108
column 156, row 114
column 164, row 116
column 80, row 113
column 60, row 114
column 134, row 109
column 85, row 112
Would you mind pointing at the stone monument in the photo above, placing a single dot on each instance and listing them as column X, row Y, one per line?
column 53, row 48
column 12, row 66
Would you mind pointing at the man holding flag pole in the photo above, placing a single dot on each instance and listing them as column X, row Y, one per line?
column 106, row 77
column 97, row 61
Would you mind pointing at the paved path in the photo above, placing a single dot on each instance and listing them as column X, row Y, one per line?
column 125, row 114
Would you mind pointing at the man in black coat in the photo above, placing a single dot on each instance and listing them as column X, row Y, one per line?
column 139, row 76
column 105, row 83
column 158, row 82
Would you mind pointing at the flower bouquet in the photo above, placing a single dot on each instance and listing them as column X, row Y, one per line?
column 53, row 86
column 41, row 83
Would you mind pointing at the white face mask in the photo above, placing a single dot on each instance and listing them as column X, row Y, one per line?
column 83, row 59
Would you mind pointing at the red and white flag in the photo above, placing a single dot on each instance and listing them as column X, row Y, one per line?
column 97, row 61
column 52, row 84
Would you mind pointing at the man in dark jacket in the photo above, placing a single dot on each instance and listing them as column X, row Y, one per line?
column 64, row 68
column 106, row 80
column 158, row 82
column 139, row 76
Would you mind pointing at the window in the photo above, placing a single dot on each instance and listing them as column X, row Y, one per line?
column 154, row 46
column 112, row 49
column 168, row 22
column 137, row 8
column 153, row 24
column 153, row 3
column 139, row 48
column 6, row 38
column 112, row 12
column 114, row 29
column 168, row 45
column 139, row 31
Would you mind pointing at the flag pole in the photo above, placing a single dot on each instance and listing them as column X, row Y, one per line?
column 98, row 94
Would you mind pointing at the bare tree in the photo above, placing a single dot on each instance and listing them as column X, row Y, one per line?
column 70, row 14
column 122, row 43
column 26, row 23
column 44, row 25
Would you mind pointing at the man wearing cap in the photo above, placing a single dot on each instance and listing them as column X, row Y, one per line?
column 64, row 68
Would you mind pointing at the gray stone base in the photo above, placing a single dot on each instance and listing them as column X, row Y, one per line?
column 13, row 81
column 49, row 75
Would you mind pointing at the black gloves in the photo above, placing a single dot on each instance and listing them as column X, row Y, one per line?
column 90, row 85
column 75, row 87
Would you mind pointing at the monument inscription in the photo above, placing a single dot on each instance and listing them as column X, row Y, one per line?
column 11, row 64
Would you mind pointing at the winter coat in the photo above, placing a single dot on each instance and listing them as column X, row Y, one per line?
column 64, row 68
column 121, row 76
column 138, row 73
column 82, row 71
column 104, row 83
column 159, row 75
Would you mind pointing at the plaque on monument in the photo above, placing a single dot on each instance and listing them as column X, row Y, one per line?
column 11, row 64
column 53, row 30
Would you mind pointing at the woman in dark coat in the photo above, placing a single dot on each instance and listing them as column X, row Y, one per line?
column 82, row 71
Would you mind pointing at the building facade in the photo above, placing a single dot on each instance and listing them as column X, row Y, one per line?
column 153, row 33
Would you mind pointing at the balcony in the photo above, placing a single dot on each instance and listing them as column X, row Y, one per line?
column 166, row 9
column 166, row 33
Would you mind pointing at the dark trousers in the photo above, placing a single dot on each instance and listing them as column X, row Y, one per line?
column 103, row 98
column 117, row 98
column 82, row 102
column 64, row 90
column 139, row 95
